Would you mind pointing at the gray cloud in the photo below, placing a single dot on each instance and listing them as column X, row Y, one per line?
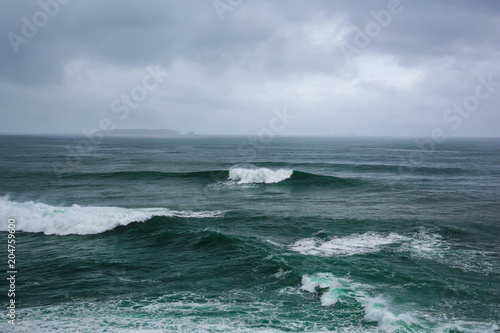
column 226, row 76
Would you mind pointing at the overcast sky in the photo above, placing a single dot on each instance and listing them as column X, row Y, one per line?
column 221, row 67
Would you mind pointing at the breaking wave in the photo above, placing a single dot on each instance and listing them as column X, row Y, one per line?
column 251, row 175
column 380, row 310
column 81, row 220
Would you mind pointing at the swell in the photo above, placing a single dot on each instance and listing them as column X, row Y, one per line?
column 218, row 175
column 152, row 175
column 376, row 168
column 305, row 178
column 298, row 177
column 165, row 252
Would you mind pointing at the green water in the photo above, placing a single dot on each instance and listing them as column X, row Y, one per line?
column 196, row 234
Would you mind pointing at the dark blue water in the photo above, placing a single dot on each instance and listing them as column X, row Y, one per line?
column 228, row 234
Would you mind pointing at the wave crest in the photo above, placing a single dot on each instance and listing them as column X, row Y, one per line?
column 52, row 220
column 251, row 174
column 380, row 309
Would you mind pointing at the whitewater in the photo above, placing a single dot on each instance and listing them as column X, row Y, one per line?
column 74, row 219
column 252, row 174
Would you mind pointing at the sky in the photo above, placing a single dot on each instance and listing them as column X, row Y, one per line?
column 367, row 68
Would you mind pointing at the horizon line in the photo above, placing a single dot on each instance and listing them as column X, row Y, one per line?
column 251, row 135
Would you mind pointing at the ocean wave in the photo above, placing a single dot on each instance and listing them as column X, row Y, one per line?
column 379, row 309
column 81, row 220
column 306, row 178
column 149, row 175
column 332, row 289
column 377, row 167
column 241, row 175
column 251, row 174
column 423, row 244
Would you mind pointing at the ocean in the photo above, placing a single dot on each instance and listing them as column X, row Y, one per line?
column 241, row 234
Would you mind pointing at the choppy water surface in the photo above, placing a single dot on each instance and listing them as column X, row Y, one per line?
column 197, row 234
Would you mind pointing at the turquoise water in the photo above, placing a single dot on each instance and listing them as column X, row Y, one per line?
column 228, row 234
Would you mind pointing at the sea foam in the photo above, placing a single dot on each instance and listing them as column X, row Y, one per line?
column 345, row 246
column 52, row 220
column 251, row 174
column 336, row 288
column 380, row 309
column 423, row 245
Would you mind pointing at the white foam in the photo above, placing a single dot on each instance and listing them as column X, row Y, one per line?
column 379, row 309
column 191, row 312
column 281, row 273
column 252, row 175
column 423, row 245
column 39, row 217
column 433, row 246
column 155, row 316
column 336, row 288
column 427, row 245
column 230, row 185
column 345, row 246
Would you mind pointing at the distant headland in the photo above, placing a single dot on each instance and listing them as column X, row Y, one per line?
column 144, row 132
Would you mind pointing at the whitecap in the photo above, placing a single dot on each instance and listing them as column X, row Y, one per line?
column 346, row 246
column 81, row 220
column 250, row 175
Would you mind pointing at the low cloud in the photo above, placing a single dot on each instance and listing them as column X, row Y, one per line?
column 227, row 75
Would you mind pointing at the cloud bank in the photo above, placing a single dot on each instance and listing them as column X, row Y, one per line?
column 340, row 67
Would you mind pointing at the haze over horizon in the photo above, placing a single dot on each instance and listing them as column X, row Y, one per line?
column 232, row 67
